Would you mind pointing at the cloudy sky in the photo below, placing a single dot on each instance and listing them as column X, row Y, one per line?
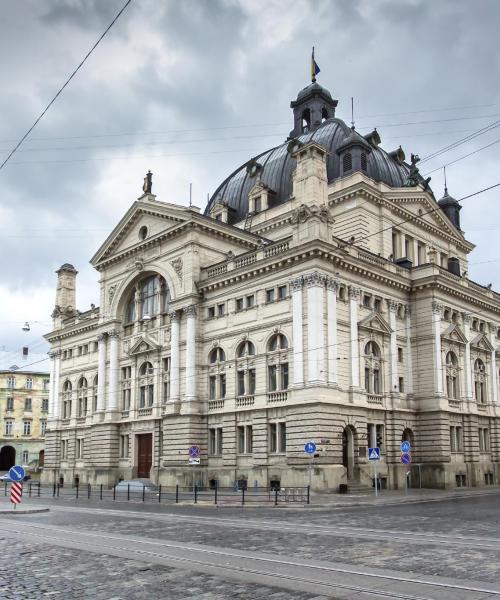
column 192, row 88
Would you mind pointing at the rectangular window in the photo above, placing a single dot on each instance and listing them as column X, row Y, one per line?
column 241, row 383
column 250, row 300
column 166, row 364
column 166, row 390
column 395, row 253
column 126, row 399
column 272, row 378
column 273, row 442
column 79, row 448
column 64, row 449
column 270, row 297
column 29, row 383
column 258, row 204
column 481, row 440
column 11, row 382
column 28, row 404
column 46, row 383
column 26, row 427
column 239, row 304
column 282, row 292
column 376, row 381
column 221, row 310
column 284, row 376
column 486, row 435
column 43, row 427
column 8, row 427
column 459, row 439
column 420, row 253
column 124, row 446
column 45, row 405
column 400, row 355
column 241, row 439
column 126, row 372
column 219, row 440
column 377, row 305
column 25, row 457
column 367, row 301
column 211, row 312
column 222, row 381
column 10, row 403
column 367, row 380
column 401, row 385
column 251, row 381
column 213, row 387
column 211, row 441
column 282, row 437
column 150, row 395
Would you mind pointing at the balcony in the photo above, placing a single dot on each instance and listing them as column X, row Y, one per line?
column 375, row 399
column 65, row 421
column 125, row 414
column 145, row 412
column 276, row 397
column 215, row 404
column 242, row 401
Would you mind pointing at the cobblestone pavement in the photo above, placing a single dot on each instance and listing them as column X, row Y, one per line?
column 40, row 571
column 57, row 571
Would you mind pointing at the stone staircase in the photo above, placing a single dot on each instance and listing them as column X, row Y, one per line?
column 355, row 487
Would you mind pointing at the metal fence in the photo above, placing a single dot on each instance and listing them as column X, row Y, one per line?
column 168, row 495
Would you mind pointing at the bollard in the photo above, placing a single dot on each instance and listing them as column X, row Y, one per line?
column 88, row 490
column 29, row 489
column 77, row 490
column 215, row 495
column 58, row 486
column 128, row 492
column 275, row 496
column 5, row 490
column 243, row 496
column 114, row 492
column 308, row 494
column 38, row 494
column 100, row 492
column 159, row 495
column 143, row 492
column 54, row 492
column 196, row 494
column 177, row 494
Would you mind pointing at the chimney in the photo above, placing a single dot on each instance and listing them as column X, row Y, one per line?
column 65, row 294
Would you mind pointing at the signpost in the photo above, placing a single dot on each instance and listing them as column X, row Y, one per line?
column 17, row 473
column 310, row 448
column 406, row 460
column 374, row 457
column 194, row 460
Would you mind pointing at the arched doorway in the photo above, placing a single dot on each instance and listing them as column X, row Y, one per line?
column 348, row 450
column 41, row 458
column 7, row 458
column 407, row 436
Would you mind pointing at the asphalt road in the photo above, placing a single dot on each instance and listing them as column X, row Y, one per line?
column 425, row 551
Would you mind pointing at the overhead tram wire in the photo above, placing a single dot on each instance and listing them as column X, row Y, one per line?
column 61, row 89
column 452, row 162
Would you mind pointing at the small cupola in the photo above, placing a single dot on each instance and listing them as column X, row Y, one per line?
column 353, row 154
column 451, row 208
column 314, row 105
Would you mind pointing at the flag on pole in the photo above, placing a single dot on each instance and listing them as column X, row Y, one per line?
column 314, row 67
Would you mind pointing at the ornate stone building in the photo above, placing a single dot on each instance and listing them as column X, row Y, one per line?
column 321, row 296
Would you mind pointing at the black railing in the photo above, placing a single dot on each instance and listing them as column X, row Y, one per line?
column 168, row 494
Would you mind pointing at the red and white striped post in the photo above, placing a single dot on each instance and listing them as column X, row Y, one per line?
column 16, row 492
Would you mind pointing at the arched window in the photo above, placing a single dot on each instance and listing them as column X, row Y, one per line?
column 150, row 297
column 146, row 369
column 94, row 391
column 324, row 114
column 347, row 162
column 451, row 375
column 82, row 397
column 373, row 380
column 67, row 387
column 278, row 342
column 246, row 348
column 216, row 355
column 480, row 381
column 306, row 120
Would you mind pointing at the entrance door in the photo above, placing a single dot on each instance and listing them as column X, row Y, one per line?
column 348, row 451
column 7, row 458
column 144, row 454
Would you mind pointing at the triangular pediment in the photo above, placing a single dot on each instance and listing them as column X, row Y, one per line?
column 454, row 334
column 142, row 223
column 374, row 322
column 142, row 345
column 482, row 343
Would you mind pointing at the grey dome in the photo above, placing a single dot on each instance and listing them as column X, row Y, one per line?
column 278, row 165
column 312, row 88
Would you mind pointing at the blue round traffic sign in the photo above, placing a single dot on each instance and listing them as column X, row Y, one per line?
column 17, row 473
column 406, row 458
column 405, row 447
column 194, row 451
column 310, row 448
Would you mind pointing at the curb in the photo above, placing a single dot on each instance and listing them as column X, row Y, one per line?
column 23, row 511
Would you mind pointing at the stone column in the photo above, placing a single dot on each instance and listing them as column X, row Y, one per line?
column 174, row 356
column 52, row 356
column 467, row 366
column 190, row 312
column 315, row 283
column 393, row 347
column 332, row 286
column 297, row 331
column 354, row 294
column 409, row 360
column 114, row 367
column 101, row 372
column 56, row 393
column 493, row 363
column 438, row 361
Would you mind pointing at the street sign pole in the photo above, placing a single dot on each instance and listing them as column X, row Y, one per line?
column 375, row 477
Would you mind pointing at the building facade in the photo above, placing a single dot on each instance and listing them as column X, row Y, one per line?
column 24, row 406
column 322, row 296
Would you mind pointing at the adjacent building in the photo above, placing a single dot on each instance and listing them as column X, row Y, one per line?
column 321, row 296
column 24, row 406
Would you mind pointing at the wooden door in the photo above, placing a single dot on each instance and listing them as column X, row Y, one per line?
column 144, row 454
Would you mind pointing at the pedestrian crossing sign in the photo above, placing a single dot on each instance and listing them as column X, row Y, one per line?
column 373, row 453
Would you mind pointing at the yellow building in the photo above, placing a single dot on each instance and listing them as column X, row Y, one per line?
column 24, row 398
